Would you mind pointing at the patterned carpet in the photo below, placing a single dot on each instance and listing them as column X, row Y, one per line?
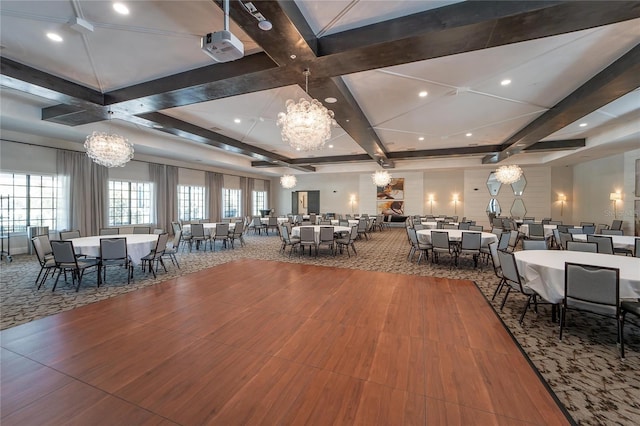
column 584, row 370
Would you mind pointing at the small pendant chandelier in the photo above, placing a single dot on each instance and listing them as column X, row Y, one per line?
column 381, row 178
column 108, row 149
column 288, row 181
column 306, row 125
column 508, row 174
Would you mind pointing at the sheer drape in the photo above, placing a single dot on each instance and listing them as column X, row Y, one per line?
column 247, row 185
column 267, row 188
column 165, row 181
column 214, row 183
column 85, row 192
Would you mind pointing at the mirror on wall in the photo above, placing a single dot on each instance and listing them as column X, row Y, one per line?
column 493, row 184
column 518, row 209
column 518, row 187
column 494, row 207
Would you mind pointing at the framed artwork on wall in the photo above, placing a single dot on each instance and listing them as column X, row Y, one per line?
column 393, row 191
column 394, row 207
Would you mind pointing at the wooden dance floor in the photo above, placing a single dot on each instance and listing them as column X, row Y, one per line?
column 258, row 342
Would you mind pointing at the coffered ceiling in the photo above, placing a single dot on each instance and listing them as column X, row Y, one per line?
column 569, row 63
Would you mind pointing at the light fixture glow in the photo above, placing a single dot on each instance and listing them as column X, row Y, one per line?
column 265, row 25
column 330, row 100
column 615, row 197
column 583, row 124
column 423, row 94
column 330, row 146
column 562, row 198
column 288, row 181
column 508, row 174
column 421, row 138
column 121, row 8
column 505, row 82
column 306, row 125
column 381, row 178
column 237, row 120
column 469, row 135
column 108, row 149
column 54, row 37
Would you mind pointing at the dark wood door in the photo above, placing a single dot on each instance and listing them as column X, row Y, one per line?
column 313, row 200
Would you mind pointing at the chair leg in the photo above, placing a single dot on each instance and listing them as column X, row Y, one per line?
column 563, row 313
column 526, row 307
column 621, row 332
column 498, row 289
column 505, row 298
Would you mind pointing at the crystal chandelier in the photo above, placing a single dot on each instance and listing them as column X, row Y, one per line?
column 508, row 174
column 108, row 149
column 288, row 181
column 307, row 124
column 381, row 178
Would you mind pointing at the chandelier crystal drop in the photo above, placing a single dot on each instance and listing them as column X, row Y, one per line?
column 381, row 178
column 306, row 125
column 109, row 150
column 508, row 174
column 288, row 181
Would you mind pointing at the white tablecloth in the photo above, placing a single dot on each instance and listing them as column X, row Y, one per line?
column 209, row 228
column 352, row 222
column 543, row 271
column 434, row 225
column 619, row 241
column 548, row 229
column 295, row 231
column 456, row 235
column 138, row 245
column 281, row 220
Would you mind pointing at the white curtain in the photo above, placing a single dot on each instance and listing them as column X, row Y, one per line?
column 214, row 183
column 165, row 181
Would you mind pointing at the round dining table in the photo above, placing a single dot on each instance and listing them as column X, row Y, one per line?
column 456, row 235
column 352, row 222
column 434, row 225
column 295, row 231
column 543, row 271
column 619, row 241
column 281, row 220
column 138, row 245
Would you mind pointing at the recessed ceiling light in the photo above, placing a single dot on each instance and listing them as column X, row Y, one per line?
column 423, row 94
column 330, row 146
column 347, row 120
column 237, row 120
column 297, row 149
column 421, row 138
column 265, row 25
column 54, row 37
column 121, row 8
column 469, row 135
column 293, row 56
column 505, row 82
column 583, row 124
column 330, row 100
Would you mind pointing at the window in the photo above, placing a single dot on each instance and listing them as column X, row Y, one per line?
column 27, row 200
column 259, row 202
column 190, row 202
column 129, row 203
column 231, row 203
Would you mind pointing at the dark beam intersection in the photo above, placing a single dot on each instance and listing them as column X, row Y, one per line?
column 458, row 28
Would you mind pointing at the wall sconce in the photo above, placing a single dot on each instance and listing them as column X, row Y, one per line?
column 455, row 203
column 431, row 204
column 352, row 201
column 615, row 197
column 562, row 198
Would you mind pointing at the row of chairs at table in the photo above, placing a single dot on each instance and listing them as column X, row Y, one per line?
column 60, row 256
column 327, row 237
column 198, row 236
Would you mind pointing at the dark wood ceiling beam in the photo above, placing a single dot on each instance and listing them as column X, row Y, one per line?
column 558, row 145
column 459, row 28
column 174, row 126
column 618, row 79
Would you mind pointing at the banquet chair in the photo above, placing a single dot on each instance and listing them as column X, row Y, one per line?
column 109, row 231
column 237, row 234
column 442, row 245
column 536, row 232
column 588, row 229
column 362, row 228
column 343, row 222
column 273, row 224
column 495, row 261
column 198, row 236
column 470, row 245
column 347, row 241
column 605, row 244
column 478, row 228
column 66, row 261
column 587, row 224
column 326, row 238
column 464, row 226
column 221, row 233
column 601, row 227
column 564, row 238
column 584, row 246
column 288, row 240
column 575, row 231
column 514, row 237
column 68, row 235
column 158, row 231
column 171, row 251
column 503, row 241
column 113, row 251
column 512, row 279
column 636, row 247
column 626, row 307
column 258, row 226
column 555, row 240
column 616, row 225
column 307, row 238
column 612, row 232
column 534, row 245
column 45, row 259
column 155, row 255
column 594, row 289
column 418, row 246
column 141, row 229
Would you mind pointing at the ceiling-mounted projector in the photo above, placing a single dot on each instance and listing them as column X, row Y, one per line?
column 222, row 46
